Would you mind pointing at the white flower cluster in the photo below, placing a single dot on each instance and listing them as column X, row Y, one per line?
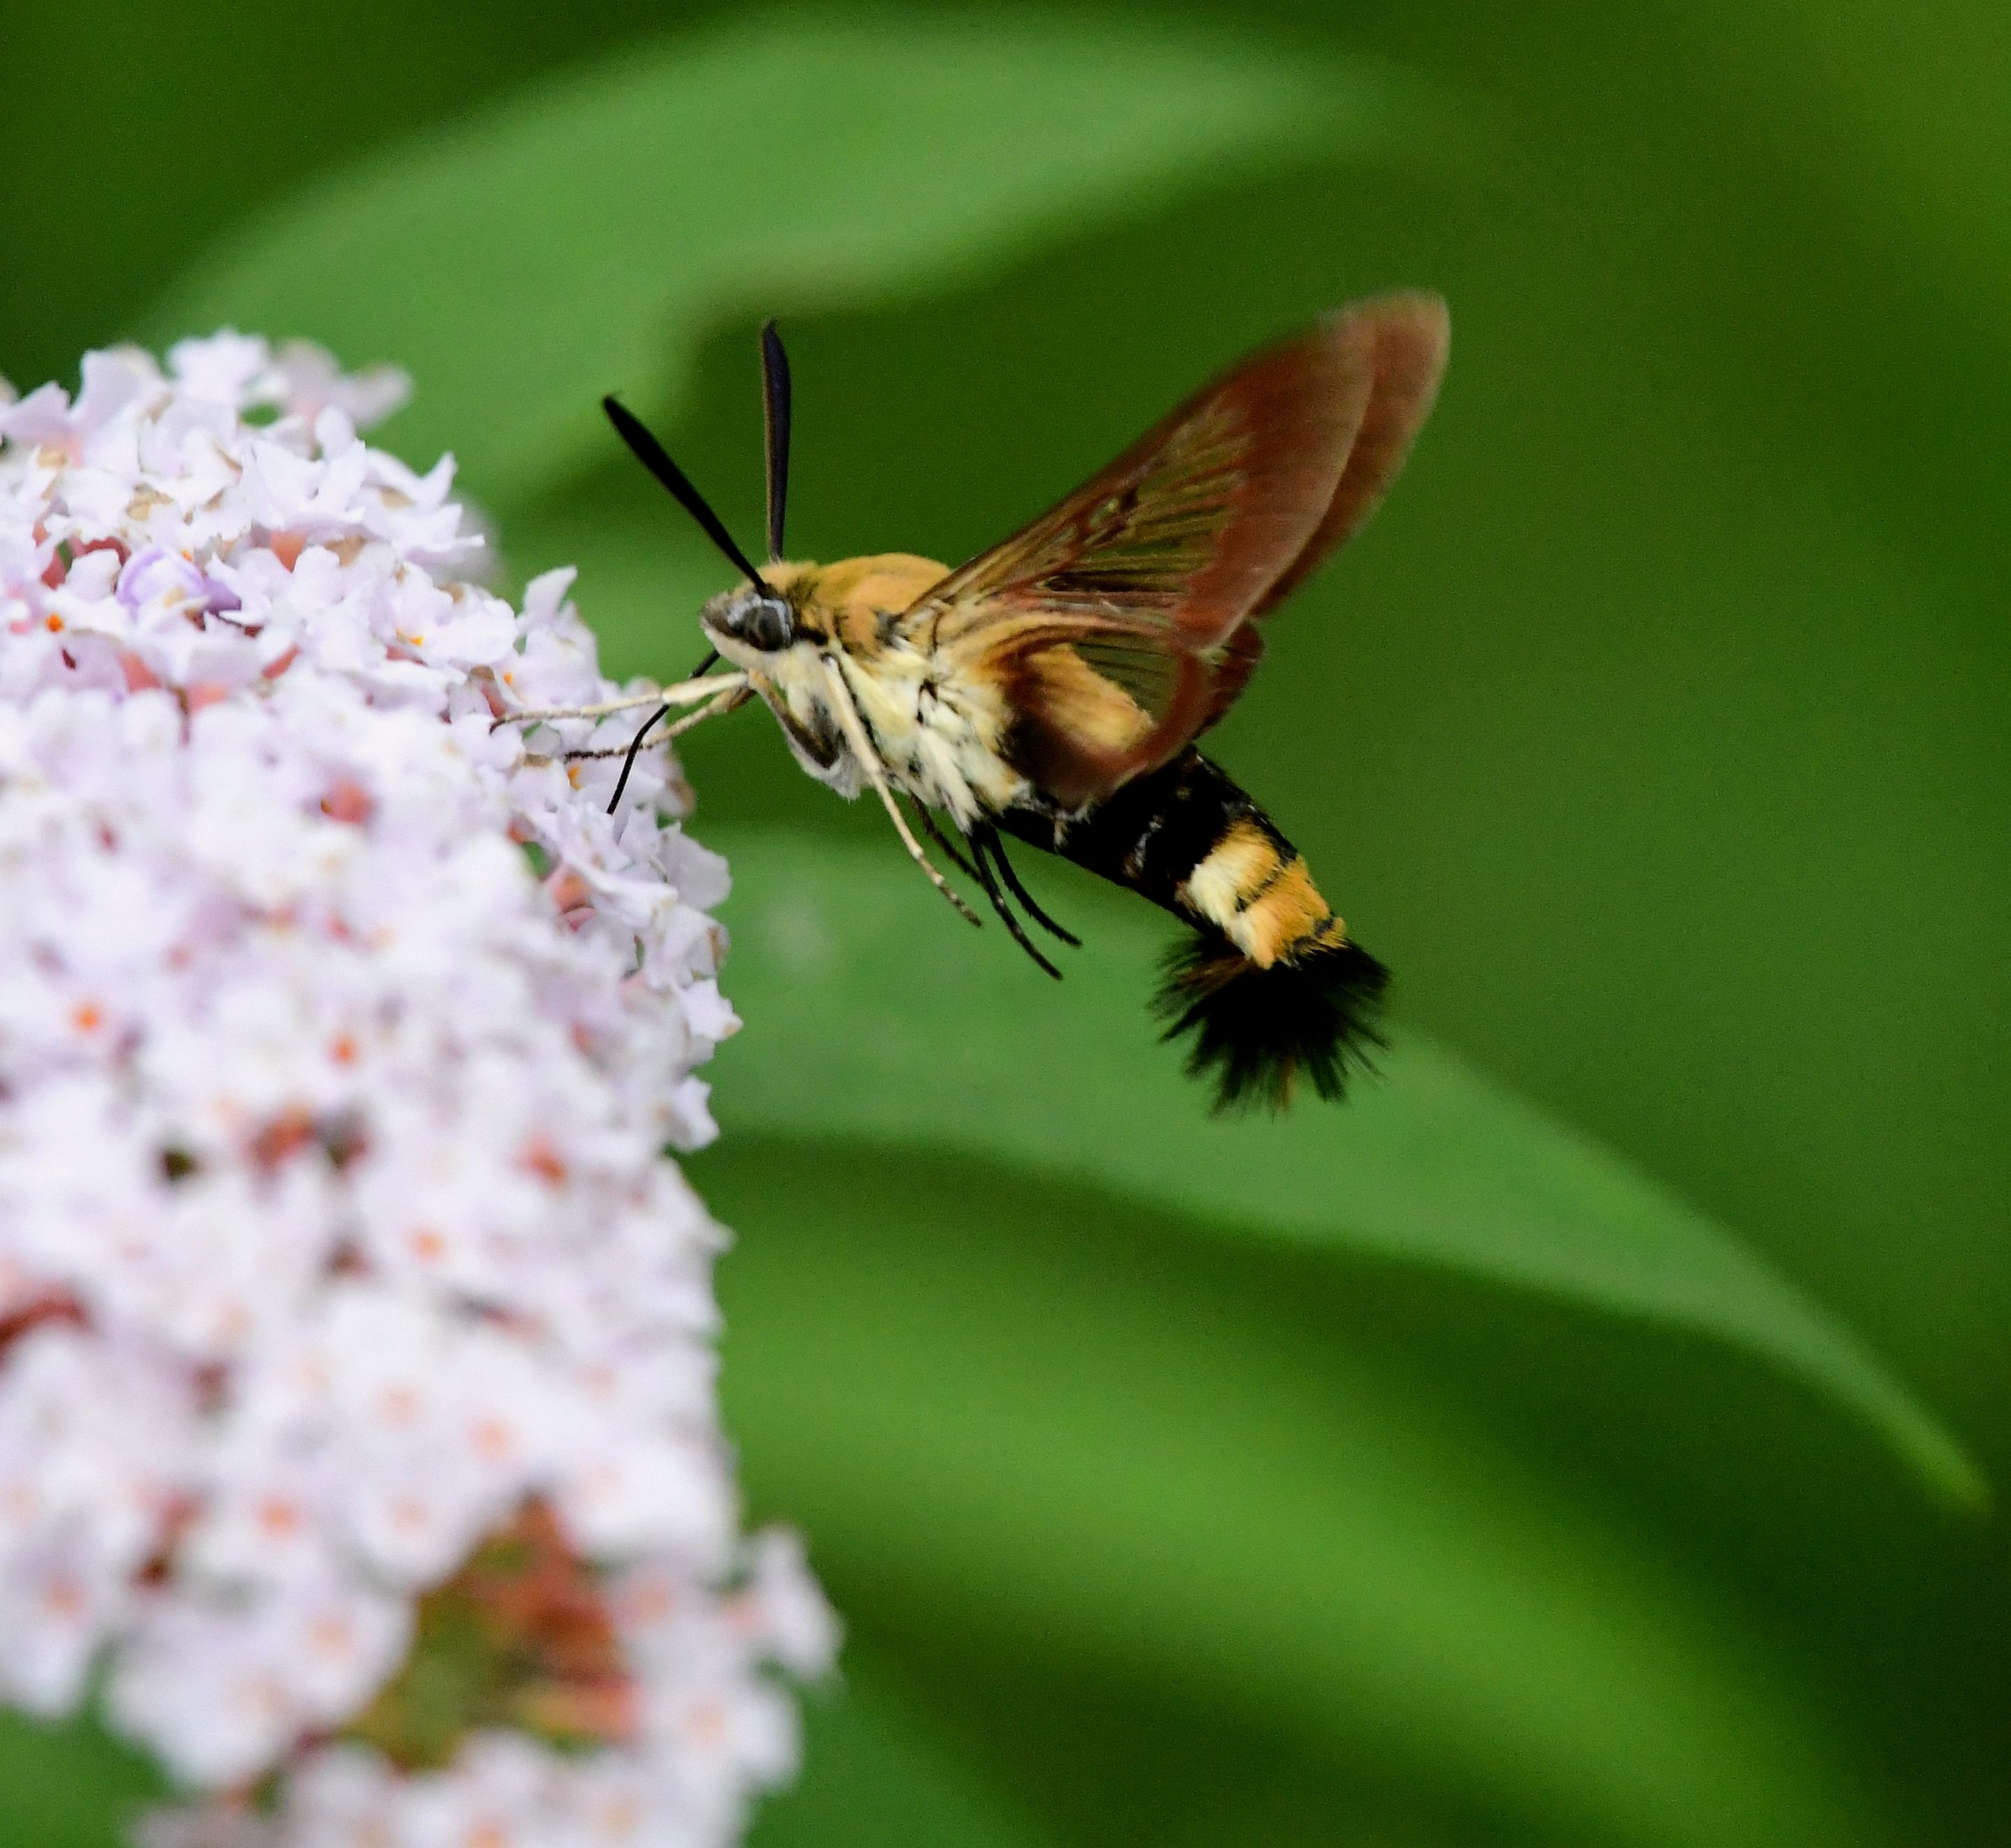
column 340, row 1033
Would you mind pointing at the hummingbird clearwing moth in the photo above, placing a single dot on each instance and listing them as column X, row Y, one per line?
column 1052, row 689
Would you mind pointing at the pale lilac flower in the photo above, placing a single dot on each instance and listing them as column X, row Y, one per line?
column 340, row 1034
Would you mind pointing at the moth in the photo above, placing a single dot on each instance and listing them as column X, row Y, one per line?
column 1052, row 691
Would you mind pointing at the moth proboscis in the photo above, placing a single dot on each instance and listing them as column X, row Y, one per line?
column 1052, row 689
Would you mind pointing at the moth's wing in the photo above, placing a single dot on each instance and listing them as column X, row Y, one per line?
column 1115, row 623
column 1103, row 622
column 1402, row 339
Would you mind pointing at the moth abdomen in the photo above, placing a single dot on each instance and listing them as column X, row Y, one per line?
column 1269, row 984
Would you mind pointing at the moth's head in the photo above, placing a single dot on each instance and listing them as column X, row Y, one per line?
column 763, row 619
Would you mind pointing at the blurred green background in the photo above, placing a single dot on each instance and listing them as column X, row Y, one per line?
column 1655, row 734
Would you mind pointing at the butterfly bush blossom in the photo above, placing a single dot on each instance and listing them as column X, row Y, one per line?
column 358, row 1445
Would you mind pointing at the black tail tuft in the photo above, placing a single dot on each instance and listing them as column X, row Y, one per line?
column 1258, row 1029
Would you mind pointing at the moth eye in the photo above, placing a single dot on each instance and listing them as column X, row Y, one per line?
column 769, row 625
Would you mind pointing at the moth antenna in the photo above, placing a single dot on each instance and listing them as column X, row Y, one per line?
column 996, row 842
column 629, row 762
column 704, row 666
column 656, row 458
column 775, row 401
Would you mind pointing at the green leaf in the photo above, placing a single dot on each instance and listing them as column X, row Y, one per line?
column 579, row 238
column 1021, row 1428
column 68, row 1786
column 874, row 1014
column 872, row 1772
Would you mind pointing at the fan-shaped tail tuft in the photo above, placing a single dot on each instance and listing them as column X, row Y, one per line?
column 1256, row 1030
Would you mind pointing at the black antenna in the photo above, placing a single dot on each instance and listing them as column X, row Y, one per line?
column 656, row 458
column 775, row 423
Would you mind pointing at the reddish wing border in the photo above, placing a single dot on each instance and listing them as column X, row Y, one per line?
column 1405, row 339
column 1402, row 340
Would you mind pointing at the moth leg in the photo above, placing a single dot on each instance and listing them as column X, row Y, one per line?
column 1004, row 910
column 730, row 700
column 854, row 729
column 976, row 869
column 684, row 693
column 996, row 845
column 734, row 695
column 943, row 841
